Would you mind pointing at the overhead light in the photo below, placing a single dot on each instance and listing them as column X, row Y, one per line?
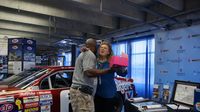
column 63, row 42
column 72, row 43
column 63, row 53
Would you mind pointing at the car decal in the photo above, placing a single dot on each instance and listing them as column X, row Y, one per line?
column 46, row 108
column 30, row 99
column 6, row 99
column 46, row 97
column 31, row 105
column 18, row 103
column 27, row 94
column 35, row 109
column 47, row 102
column 6, row 107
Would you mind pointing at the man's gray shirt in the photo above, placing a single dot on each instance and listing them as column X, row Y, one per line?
column 85, row 61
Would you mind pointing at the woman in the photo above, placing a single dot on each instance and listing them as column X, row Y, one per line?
column 106, row 88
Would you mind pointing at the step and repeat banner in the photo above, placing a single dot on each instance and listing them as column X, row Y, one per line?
column 177, row 56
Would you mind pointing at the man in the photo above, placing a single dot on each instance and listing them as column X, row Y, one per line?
column 84, row 80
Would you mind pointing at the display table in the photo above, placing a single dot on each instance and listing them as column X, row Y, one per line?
column 178, row 108
column 144, row 106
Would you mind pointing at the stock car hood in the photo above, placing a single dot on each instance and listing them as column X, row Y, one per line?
column 8, row 88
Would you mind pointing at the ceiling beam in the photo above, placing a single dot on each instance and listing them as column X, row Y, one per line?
column 175, row 4
column 113, row 7
column 36, row 29
column 145, row 9
column 34, row 19
column 142, row 2
column 117, row 7
column 63, row 11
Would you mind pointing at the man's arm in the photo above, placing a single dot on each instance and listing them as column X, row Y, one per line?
column 89, row 66
column 97, row 72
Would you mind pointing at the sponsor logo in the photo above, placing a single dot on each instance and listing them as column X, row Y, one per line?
column 15, row 40
column 175, row 38
column 163, row 71
column 6, row 99
column 27, row 94
column 46, row 97
column 29, row 41
column 30, row 99
column 47, row 102
column 123, row 86
column 15, row 47
column 197, row 105
column 180, row 72
column 19, row 104
column 35, row 109
column 44, row 92
column 31, row 105
column 196, row 72
column 180, row 49
column 6, row 107
column 196, row 47
column 195, row 35
column 164, row 50
column 46, row 108
column 178, row 60
column 160, row 40
column 29, row 48
column 129, row 94
column 194, row 60
column 160, row 61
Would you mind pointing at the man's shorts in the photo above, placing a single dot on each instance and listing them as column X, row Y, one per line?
column 81, row 102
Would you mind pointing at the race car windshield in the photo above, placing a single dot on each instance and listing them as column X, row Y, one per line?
column 12, row 80
column 23, row 83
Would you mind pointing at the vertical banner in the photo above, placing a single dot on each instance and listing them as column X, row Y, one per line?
column 29, row 57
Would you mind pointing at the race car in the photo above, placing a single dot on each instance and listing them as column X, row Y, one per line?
column 44, row 89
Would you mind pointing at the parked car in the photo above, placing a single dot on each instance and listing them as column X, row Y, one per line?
column 45, row 89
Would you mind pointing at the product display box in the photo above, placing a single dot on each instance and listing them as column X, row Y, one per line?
column 144, row 105
column 119, row 61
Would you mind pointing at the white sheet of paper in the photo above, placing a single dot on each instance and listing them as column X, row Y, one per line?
column 173, row 106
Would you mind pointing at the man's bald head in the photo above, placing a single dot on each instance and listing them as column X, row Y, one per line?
column 91, row 44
